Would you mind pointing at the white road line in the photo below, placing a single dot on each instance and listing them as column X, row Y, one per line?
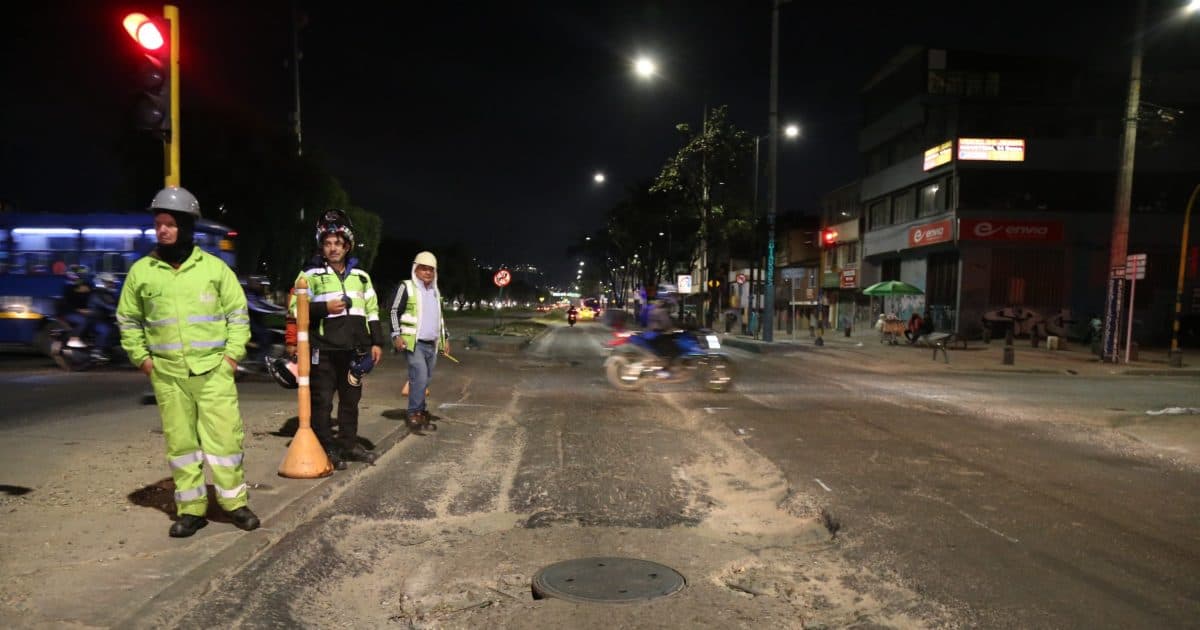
column 974, row 520
column 822, row 484
column 445, row 405
column 715, row 409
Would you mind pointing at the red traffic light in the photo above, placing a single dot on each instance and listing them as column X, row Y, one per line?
column 828, row 237
column 144, row 31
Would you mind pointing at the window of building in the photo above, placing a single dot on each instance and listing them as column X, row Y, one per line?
column 889, row 270
column 904, row 207
column 880, row 214
column 931, row 199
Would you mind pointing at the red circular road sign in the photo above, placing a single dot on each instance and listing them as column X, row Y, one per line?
column 502, row 278
column 741, row 278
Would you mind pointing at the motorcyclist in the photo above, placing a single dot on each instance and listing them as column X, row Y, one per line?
column 102, row 313
column 260, row 310
column 74, row 306
column 665, row 344
column 572, row 314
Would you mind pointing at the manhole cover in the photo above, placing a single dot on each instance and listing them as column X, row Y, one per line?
column 606, row 580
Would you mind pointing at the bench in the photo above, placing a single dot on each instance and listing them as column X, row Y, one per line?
column 940, row 341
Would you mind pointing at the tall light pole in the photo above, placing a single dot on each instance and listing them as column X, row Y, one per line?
column 1175, row 356
column 792, row 131
column 1119, row 243
column 768, row 318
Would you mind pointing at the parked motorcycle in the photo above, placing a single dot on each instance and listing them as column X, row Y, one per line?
column 635, row 360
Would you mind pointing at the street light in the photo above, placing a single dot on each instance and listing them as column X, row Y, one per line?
column 793, row 130
column 598, row 178
column 645, row 67
column 1119, row 246
column 1175, row 356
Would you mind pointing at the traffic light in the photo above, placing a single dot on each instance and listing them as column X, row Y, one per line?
column 829, row 237
column 153, row 112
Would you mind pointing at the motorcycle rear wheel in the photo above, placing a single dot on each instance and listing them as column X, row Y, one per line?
column 623, row 373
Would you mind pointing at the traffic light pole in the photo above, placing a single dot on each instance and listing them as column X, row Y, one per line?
column 171, row 145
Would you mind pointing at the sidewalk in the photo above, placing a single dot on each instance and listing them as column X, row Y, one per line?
column 88, row 500
column 1070, row 358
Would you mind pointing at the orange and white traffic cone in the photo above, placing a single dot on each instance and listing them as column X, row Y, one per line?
column 305, row 458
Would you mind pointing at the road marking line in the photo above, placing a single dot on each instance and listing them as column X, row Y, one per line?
column 822, row 484
column 715, row 409
column 444, row 405
column 977, row 522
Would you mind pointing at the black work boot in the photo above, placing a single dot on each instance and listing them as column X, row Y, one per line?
column 244, row 518
column 187, row 525
column 335, row 458
column 357, row 453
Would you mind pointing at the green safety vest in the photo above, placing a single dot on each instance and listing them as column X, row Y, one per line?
column 407, row 323
column 352, row 327
column 187, row 319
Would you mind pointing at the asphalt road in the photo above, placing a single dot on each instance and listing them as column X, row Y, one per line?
column 812, row 494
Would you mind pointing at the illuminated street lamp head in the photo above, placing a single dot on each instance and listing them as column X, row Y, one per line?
column 598, row 178
column 645, row 67
column 1192, row 7
column 792, row 131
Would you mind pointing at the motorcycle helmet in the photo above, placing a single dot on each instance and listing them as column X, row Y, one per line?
column 359, row 367
column 176, row 199
column 105, row 280
column 283, row 370
column 335, row 222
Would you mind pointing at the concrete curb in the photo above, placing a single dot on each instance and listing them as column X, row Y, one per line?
column 190, row 587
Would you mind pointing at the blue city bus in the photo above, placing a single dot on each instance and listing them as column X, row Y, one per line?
column 37, row 250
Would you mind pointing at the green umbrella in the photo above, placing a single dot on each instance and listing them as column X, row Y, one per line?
column 892, row 287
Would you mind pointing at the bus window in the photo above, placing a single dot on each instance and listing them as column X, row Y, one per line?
column 110, row 239
column 45, row 239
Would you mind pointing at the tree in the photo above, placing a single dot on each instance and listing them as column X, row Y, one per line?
column 709, row 174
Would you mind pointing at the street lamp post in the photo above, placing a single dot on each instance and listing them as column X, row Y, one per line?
column 768, row 318
column 1119, row 242
column 1175, row 357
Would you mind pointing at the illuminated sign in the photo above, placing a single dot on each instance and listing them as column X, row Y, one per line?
column 931, row 233
column 992, row 149
column 1009, row 230
column 939, row 155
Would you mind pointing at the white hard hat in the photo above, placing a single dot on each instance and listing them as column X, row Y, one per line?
column 426, row 258
column 176, row 199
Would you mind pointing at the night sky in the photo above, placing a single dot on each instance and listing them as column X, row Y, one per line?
column 484, row 123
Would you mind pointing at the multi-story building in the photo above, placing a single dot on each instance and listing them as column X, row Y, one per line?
column 989, row 183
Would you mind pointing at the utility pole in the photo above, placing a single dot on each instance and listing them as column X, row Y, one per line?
column 768, row 318
column 1119, row 246
column 296, row 79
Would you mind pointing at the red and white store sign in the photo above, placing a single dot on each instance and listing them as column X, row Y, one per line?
column 1008, row 230
column 931, row 233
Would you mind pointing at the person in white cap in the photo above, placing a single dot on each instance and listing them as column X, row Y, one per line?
column 419, row 331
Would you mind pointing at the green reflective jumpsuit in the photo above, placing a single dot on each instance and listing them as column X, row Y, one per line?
column 187, row 320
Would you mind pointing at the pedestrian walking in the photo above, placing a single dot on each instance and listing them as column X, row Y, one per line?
column 419, row 331
column 346, row 337
column 183, row 321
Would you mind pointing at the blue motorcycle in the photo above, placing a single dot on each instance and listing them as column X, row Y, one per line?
column 638, row 357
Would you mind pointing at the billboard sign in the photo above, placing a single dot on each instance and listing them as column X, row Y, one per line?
column 939, row 155
column 931, row 233
column 1009, row 230
column 992, row 149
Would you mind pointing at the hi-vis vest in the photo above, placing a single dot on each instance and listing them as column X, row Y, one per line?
column 410, row 319
column 351, row 327
column 186, row 319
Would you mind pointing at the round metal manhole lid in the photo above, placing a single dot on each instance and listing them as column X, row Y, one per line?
column 607, row 580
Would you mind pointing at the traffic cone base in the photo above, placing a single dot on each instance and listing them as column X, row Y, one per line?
column 305, row 459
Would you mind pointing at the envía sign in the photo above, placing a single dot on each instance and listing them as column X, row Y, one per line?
column 1009, row 230
column 931, row 233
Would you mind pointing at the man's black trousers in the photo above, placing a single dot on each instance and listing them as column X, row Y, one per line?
column 328, row 376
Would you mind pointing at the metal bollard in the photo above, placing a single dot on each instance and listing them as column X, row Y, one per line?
column 1009, row 355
